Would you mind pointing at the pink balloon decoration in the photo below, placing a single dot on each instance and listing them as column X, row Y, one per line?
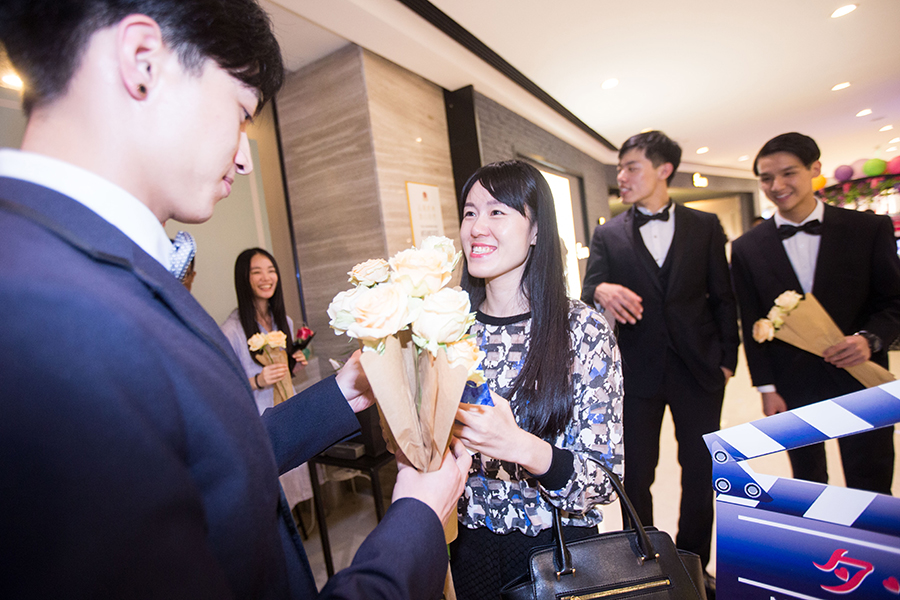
column 843, row 173
column 858, row 168
column 893, row 166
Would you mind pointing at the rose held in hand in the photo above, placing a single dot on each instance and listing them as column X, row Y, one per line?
column 379, row 312
column 763, row 331
column 371, row 272
column 444, row 318
column 421, row 272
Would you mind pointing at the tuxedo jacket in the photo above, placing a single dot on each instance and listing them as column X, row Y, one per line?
column 133, row 462
column 690, row 310
column 857, row 281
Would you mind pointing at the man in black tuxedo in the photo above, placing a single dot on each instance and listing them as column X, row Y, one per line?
column 848, row 260
column 660, row 270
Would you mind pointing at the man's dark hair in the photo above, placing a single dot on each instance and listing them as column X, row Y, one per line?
column 45, row 39
column 801, row 146
column 658, row 148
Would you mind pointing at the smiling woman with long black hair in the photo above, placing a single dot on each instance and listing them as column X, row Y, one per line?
column 554, row 371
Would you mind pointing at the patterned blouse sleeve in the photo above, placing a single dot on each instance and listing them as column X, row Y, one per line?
column 596, row 427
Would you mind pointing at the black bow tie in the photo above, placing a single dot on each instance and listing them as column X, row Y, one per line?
column 813, row 227
column 642, row 219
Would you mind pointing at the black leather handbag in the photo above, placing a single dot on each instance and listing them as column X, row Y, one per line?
column 637, row 562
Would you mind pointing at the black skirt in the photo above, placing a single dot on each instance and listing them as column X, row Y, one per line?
column 483, row 562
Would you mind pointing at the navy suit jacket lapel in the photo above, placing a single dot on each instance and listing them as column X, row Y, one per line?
column 84, row 229
column 639, row 250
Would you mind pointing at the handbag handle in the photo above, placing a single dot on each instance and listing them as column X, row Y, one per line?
column 562, row 558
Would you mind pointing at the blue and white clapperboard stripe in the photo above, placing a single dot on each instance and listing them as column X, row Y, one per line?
column 780, row 538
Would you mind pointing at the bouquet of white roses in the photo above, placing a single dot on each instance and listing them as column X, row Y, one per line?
column 271, row 348
column 802, row 322
column 416, row 351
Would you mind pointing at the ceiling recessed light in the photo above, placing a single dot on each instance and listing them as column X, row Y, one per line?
column 743, row 158
column 841, row 86
column 886, row 128
column 609, row 83
column 864, row 112
column 418, row 140
column 702, row 150
column 700, row 181
column 895, row 140
column 891, row 149
column 12, row 80
column 844, row 10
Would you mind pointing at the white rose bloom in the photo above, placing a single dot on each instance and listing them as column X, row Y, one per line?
column 340, row 307
column 379, row 312
column 788, row 300
column 763, row 331
column 776, row 316
column 421, row 272
column 369, row 273
column 445, row 245
column 444, row 318
column 466, row 353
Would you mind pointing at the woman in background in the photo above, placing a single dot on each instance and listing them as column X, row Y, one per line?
column 261, row 310
column 554, row 371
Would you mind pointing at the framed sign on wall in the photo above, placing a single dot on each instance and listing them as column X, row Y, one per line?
column 424, row 211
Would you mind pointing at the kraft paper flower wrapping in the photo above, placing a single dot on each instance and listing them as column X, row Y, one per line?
column 417, row 355
column 271, row 349
column 804, row 323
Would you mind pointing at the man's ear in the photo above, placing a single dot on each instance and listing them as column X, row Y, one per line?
column 665, row 170
column 140, row 45
column 816, row 169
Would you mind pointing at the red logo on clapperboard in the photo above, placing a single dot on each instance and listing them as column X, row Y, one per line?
column 835, row 565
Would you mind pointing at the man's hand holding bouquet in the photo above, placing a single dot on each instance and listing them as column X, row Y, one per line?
column 802, row 322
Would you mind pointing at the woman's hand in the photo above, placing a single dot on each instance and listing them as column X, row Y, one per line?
column 351, row 379
column 272, row 374
column 493, row 431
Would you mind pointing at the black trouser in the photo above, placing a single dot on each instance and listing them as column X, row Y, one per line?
column 695, row 412
column 867, row 458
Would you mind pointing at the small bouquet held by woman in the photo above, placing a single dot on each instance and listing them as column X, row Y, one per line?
column 271, row 348
column 417, row 355
column 801, row 321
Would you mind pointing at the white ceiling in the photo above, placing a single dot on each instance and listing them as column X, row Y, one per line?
column 723, row 74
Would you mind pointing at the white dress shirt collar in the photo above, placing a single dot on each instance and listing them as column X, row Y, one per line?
column 657, row 235
column 817, row 213
column 109, row 201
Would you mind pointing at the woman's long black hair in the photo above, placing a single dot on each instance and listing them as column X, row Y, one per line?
column 542, row 391
column 246, row 307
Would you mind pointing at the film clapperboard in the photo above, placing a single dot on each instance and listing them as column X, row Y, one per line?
column 780, row 538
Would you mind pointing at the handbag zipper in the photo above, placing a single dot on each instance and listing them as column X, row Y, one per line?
column 638, row 587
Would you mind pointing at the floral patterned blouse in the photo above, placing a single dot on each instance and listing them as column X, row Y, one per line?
column 503, row 496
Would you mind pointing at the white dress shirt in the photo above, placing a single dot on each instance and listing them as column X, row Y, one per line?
column 658, row 235
column 109, row 201
column 803, row 250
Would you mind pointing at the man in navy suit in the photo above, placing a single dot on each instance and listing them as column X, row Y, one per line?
column 660, row 270
column 848, row 260
column 133, row 463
